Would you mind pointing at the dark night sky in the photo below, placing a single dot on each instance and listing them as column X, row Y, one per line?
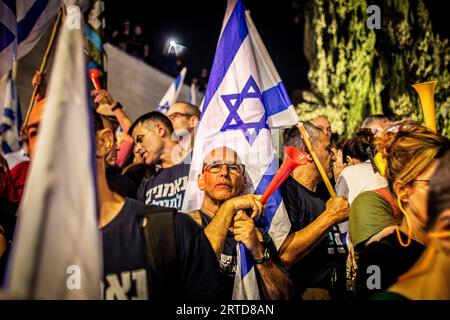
column 196, row 25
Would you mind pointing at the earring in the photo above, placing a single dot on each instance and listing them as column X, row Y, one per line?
column 408, row 222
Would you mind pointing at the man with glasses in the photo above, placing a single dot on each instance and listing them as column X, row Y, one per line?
column 184, row 117
column 222, row 179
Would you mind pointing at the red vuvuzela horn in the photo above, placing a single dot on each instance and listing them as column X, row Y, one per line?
column 94, row 74
column 293, row 158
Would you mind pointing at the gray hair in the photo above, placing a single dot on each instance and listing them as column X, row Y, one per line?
column 293, row 138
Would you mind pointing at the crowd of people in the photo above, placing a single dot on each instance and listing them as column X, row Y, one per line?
column 385, row 235
column 132, row 39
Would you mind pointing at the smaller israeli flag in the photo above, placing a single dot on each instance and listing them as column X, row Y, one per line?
column 172, row 93
column 11, row 120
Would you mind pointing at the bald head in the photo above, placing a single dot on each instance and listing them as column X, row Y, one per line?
column 183, row 115
column 222, row 177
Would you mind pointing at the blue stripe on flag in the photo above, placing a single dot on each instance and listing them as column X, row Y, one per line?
column 27, row 24
column 276, row 99
column 4, row 127
column 7, row 112
column 6, row 148
column 272, row 206
column 6, row 37
column 93, row 37
column 229, row 44
column 11, row 4
column 177, row 81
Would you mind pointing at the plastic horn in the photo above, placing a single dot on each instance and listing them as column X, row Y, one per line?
column 293, row 158
column 425, row 91
column 94, row 74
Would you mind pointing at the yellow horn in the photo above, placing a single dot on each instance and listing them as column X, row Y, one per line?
column 426, row 97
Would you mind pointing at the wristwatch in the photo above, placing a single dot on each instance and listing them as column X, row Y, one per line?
column 265, row 258
column 117, row 106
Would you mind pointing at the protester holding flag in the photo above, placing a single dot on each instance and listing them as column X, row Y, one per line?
column 244, row 101
column 223, row 178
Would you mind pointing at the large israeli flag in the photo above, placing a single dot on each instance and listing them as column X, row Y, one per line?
column 172, row 93
column 22, row 24
column 245, row 103
column 57, row 250
column 11, row 119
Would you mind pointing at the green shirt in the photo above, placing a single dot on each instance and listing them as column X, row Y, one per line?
column 369, row 214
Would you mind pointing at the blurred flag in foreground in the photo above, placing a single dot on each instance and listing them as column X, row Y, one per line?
column 57, row 253
column 245, row 100
column 172, row 93
column 22, row 24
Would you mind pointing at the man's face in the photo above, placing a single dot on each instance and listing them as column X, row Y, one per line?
column 148, row 142
column 222, row 182
column 180, row 117
column 324, row 124
column 325, row 154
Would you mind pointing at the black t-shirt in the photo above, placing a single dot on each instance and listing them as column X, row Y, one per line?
column 392, row 260
column 166, row 187
column 126, row 271
column 324, row 266
column 228, row 257
column 120, row 184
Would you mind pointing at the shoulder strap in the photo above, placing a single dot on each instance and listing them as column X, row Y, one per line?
column 159, row 233
column 388, row 197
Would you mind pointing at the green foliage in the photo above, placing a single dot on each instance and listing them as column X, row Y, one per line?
column 355, row 71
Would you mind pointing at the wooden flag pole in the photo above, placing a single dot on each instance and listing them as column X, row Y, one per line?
column 313, row 154
column 44, row 63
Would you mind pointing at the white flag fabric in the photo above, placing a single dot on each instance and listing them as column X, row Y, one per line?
column 193, row 95
column 244, row 102
column 172, row 93
column 57, row 250
column 22, row 24
column 11, row 119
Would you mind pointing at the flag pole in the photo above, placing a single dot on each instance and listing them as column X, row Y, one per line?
column 37, row 85
column 313, row 154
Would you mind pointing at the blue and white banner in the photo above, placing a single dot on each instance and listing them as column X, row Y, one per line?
column 172, row 93
column 11, row 119
column 57, row 246
column 245, row 103
column 22, row 24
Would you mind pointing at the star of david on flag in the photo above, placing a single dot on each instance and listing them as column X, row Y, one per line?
column 238, row 98
column 244, row 106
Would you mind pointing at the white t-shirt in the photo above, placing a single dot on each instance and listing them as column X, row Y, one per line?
column 358, row 178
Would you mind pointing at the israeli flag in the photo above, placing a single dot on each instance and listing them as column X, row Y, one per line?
column 172, row 93
column 57, row 247
column 22, row 24
column 193, row 95
column 11, row 120
column 245, row 103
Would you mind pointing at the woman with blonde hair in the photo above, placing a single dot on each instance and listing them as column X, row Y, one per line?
column 411, row 152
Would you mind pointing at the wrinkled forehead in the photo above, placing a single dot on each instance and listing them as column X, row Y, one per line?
column 322, row 121
column 222, row 154
column 177, row 107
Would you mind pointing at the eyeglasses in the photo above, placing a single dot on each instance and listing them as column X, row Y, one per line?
column 421, row 181
column 175, row 115
column 425, row 182
column 216, row 166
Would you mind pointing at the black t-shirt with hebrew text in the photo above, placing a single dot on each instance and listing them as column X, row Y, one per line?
column 166, row 187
